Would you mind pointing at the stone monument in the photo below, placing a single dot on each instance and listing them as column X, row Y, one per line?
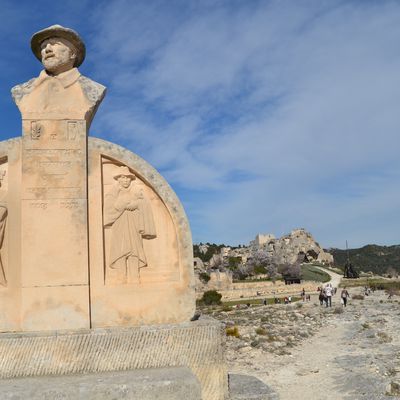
column 96, row 266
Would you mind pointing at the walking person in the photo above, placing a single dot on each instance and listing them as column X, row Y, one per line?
column 321, row 297
column 344, row 295
column 328, row 294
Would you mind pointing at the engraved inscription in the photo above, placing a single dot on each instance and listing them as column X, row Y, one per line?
column 36, row 130
column 55, row 192
column 54, row 167
column 42, row 205
column 69, row 204
column 53, row 152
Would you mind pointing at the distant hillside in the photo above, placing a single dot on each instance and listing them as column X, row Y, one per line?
column 377, row 259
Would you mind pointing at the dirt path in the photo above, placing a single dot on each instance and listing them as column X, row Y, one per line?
column 335, row 278
column 354, row 355
column 310, row 371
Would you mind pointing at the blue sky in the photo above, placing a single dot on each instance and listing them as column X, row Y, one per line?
column 263, row 116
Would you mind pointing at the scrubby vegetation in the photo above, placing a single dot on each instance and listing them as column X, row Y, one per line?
column 373, row 283
column 378, row 259
column 232, row 331
column 204, row 277
column 211, row 250
column 211, row 297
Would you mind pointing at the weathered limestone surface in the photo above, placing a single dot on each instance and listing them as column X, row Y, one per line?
column 163, row 291
column 38, row 294
column 149, row 384
column 198, row 345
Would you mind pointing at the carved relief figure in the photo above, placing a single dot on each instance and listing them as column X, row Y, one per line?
column 3, row 220
column 128, row 214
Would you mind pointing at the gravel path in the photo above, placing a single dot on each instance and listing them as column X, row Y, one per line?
column 322, row 353
column 335, row 278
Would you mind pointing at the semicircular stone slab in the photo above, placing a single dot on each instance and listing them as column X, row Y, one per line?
column 140, row 245
column 137, row 242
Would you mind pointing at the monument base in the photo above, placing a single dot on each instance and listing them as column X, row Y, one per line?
column 148, row 384
column 199, row 346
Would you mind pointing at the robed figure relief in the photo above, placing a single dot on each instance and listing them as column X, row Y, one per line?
column 128, row 215
column 3, row 220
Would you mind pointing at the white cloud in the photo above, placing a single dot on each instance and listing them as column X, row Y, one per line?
column 299, row 97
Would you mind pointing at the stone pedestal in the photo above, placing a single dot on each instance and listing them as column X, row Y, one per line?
column 198, row 345
column 54, row 240
column 56, row 113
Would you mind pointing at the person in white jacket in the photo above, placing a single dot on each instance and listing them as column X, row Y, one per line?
column 328, row 294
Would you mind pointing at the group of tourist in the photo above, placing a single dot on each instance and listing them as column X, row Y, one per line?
column 326, row 293
column 325, row 296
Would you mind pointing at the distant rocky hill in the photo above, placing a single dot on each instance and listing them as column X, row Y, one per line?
column 298, row 245
column 378, row 259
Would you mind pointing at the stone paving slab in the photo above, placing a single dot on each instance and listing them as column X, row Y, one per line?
column 148, row 384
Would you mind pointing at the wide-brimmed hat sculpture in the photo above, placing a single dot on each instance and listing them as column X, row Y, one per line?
column 59, row 31
column 123, row 171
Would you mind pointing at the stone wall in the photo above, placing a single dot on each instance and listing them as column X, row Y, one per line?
column 218, row 281
column 267, row 289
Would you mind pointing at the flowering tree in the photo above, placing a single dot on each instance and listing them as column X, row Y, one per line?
column 291, row 270
column 261, row 262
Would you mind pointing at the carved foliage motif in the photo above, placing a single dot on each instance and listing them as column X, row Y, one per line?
column 36, row 130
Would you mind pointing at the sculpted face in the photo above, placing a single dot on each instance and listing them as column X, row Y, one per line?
column 58, row 55
column 124, row 181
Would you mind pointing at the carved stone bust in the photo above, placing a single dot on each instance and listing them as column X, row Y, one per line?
column 60, row 90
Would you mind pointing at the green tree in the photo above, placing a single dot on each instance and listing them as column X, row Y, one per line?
column 211, row 297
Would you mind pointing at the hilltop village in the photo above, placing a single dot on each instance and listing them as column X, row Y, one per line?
column 270, row 262
column 298, row 245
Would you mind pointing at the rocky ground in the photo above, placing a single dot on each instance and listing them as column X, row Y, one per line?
column 305, row 351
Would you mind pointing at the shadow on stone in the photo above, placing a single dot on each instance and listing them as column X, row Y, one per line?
column 246, row 387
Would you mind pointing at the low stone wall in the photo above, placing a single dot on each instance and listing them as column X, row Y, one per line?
column 198, row 345
column 261, row 289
